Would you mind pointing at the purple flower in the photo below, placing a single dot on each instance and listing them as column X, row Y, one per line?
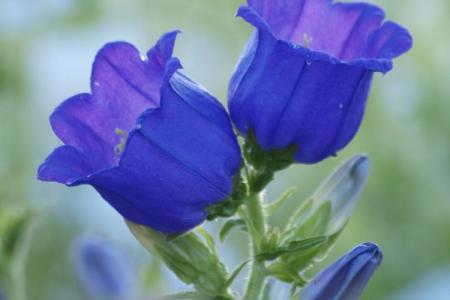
column 346, row 278
column 305, row 75
column 103, row 270
column 154, row 144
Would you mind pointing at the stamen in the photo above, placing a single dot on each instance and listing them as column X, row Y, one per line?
column 307, row 40
column 118, row 149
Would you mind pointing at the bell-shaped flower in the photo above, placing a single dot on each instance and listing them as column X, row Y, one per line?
column 305, row 74
column 346, row 278
column 156, row 145
column 103, row 270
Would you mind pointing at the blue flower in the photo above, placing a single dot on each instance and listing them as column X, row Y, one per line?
column 154, row 144
column 103, row 270
column 305, row 75
column 346, row 278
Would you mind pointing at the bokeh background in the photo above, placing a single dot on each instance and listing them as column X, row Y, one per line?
column 46, row 51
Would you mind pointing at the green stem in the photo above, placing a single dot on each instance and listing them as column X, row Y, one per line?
column 17, row 284
column 254, row 215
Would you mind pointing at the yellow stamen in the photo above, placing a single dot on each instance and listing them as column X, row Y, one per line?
column 307, row 40
column 118, row 149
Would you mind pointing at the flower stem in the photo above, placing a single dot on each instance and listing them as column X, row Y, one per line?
column 256, row 222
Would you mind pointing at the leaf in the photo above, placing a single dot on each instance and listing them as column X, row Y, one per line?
column 183, row 296
column 229, row 225
column 317, row 224
column 280, row 201
column 184, row 270
column 303, row 259
column 294, row 247
column 236, row 273
column 208, row 239
column 13, row 234
column 286, row 273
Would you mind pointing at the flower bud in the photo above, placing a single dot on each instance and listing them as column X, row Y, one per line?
column 346, row 278
column 103, row 270
column 327, row 211
column 331, row 205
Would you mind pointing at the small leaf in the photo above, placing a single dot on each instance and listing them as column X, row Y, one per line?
column 229, row 225
column 296, row 247
column 183, row 296
column 13, row 234
column 303, row 259
column 341, row 189
column 280, row 201
column 188, row 256
column 316, row 225
column 236, row 273
column 184, row 270
column 208, row 239
column 286, row 273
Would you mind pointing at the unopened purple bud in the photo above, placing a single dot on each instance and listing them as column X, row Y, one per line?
column 346, row 278
column 103, row 270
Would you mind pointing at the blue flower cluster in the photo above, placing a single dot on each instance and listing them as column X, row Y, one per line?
column 161, row 149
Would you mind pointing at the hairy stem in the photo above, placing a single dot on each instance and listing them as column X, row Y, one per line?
column 256, row 222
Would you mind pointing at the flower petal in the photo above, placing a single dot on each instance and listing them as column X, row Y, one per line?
column 65, row 165
column 347, row 31
column 390, row 41
column 123, row 86
column 177, row 162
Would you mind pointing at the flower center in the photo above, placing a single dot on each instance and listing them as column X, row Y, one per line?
column 307, row 40
column 119, row 148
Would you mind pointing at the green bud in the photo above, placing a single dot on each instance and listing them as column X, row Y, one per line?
column 326, row 213
column 330, row 207
column 269, row 243
column 192, row 259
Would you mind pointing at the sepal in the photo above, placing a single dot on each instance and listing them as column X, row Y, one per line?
column 193, row 260
column 229, row 206
column 265, row 163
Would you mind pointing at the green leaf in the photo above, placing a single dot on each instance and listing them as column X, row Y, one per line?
column 236, row 273
column 286, row 273
column 188, row 256
column 182, row 268
column 208, row 238
column 316, row 225
column 13, row 232
column 303, row 259
column 295, row 247
column 229, row 225
column 183, row 296
column 340, row 191
column 280, row 201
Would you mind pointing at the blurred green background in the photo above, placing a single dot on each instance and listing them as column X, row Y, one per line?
column 46, row 51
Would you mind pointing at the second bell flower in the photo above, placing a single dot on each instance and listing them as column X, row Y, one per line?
column 305, row 75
